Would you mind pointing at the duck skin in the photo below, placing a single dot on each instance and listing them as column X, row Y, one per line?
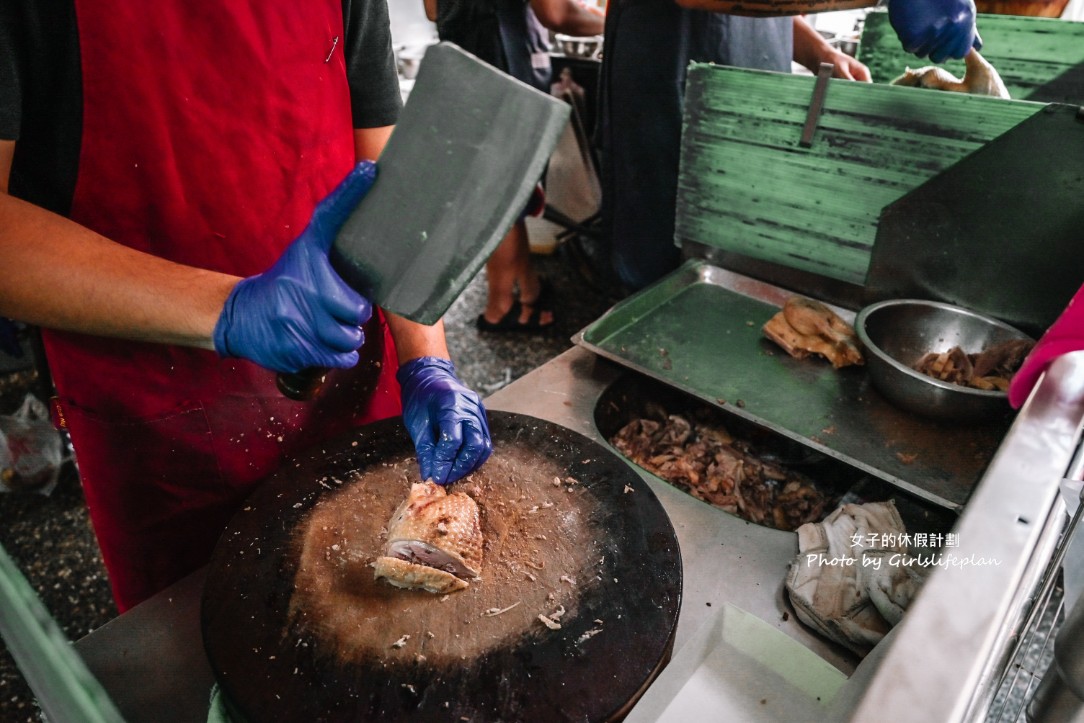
column 805, row 326
column 434, row 541
column 980, row 78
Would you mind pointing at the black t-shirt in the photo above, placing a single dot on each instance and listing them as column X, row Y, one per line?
column 41, row 89
column 504, row 33
column 474, row 26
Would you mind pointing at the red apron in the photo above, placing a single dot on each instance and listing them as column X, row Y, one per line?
column 210, row 131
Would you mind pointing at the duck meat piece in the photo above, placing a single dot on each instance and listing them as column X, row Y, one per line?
column 991, row 369
column 796, row 504
column 813, row 318
column 980, row 78
column 805, row 327
column 1002, row 359
column 755, row 496
column 990, row 384
column 434, row 541
column 953, row 366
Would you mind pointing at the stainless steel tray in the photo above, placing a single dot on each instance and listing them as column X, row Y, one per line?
column 699, row 330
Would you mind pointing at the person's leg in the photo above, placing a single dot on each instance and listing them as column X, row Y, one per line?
column 502, row 271
column 508, row 268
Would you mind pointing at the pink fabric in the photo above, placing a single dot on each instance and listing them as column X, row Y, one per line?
column 1065, row 335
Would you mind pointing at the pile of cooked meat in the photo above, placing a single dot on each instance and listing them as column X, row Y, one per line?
column 705, row 460
column 991, row 369
column 806, row 326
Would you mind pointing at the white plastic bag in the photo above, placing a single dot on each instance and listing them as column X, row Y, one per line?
column 31, row 450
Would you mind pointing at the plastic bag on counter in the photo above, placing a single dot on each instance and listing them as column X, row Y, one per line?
column 31, row 450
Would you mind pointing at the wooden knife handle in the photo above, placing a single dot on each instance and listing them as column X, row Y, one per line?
column 303, row 385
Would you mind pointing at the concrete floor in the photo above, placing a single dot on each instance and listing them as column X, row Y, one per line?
column 50, row 539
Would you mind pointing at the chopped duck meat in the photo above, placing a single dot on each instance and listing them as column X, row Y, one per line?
column 434, row 541
column 980, row 78
column 991, row 369
column 949, row 366
column 797, row 503
column 703, row 459
column 1003, row 359
column 805, row 327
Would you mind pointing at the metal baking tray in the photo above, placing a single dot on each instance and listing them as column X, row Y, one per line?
column 699, row 330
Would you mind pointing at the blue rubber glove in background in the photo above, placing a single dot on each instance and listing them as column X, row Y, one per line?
column 941, row 29
column 445, row 419
column 300, row 313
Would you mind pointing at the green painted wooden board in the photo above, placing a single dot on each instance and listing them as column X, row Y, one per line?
column 746, row 186
column 1030, row 54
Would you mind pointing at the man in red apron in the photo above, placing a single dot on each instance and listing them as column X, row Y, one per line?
column 161, row 168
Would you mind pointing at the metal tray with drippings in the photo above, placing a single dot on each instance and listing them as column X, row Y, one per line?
column 699, row 330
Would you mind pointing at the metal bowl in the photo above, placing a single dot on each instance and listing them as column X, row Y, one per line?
column 589, row 46
column 899, row 332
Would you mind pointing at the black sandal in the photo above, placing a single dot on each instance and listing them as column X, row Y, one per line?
column 510, row 321
column 544, row 301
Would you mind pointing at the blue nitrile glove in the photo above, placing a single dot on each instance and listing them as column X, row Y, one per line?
column 941, row 29
column 445, row 419
column 300, row 313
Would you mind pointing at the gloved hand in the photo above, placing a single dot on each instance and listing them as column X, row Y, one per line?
column 300, row 313
column 445, row 419
column 941, row 29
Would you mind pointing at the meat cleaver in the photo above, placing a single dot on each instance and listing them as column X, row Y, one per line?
column 460, row 166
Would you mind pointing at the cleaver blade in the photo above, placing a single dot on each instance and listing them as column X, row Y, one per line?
column 456, row 173
column 465, row 155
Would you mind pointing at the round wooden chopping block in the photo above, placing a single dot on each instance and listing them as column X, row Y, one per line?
column 572, row 618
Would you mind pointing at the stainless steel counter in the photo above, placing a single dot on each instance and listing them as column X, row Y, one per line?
column 151, row 658
column 725, row 559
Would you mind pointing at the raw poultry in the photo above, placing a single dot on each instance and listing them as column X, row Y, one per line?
column 980, row 78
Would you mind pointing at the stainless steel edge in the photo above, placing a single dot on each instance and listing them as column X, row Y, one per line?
column 150, row 659
column 944, row 655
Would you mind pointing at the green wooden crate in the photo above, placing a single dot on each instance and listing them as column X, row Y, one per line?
column 1030, row 54
column 746, row 186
